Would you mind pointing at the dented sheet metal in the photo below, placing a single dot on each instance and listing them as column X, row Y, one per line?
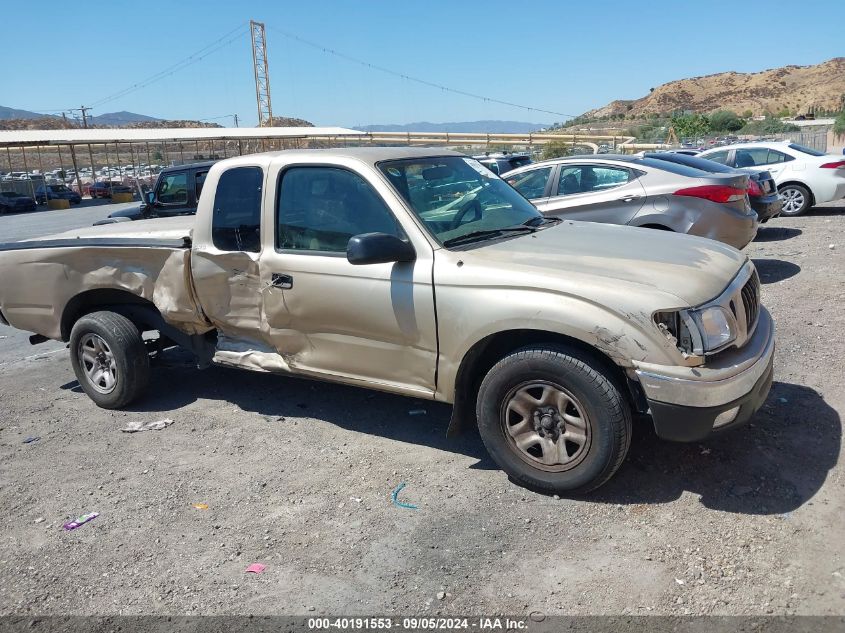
column 38, row 283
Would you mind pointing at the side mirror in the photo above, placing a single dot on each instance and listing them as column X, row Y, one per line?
column 378, row 248
column 150, row 198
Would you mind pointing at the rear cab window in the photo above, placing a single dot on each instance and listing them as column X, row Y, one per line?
column 236, row 216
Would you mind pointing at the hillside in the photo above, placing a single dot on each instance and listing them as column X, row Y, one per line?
column 792, row 88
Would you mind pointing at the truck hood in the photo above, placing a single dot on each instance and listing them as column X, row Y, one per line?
column 693, row 269
column 156, row 229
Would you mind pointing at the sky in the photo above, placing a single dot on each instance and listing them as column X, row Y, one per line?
column 560, row 56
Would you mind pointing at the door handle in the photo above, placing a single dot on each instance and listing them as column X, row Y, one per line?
column 629, row 198
column 278, row 280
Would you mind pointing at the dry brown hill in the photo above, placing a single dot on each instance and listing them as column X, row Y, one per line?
column 792, row 88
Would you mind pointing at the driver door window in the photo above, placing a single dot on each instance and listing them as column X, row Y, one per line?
column 173, row 189
column 320, row 208
column 531, row 184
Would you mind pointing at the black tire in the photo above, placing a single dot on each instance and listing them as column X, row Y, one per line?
column 122, row 349
column 603, row 410
column 791, row 193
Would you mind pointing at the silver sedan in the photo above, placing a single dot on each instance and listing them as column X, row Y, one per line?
column 643, row 192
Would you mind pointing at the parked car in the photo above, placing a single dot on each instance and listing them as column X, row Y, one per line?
column 56, row 192
column 804, row 176
column 762, row 191
column 13, row 202
column 176, row 192
column 502, row 163
column 102, row 189
column 326, row 264
column 640, row 191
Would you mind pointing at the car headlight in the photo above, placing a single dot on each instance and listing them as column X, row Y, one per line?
column 698, row 332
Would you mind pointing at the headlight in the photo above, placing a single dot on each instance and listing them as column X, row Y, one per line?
column 716, row 327
column 700, row 331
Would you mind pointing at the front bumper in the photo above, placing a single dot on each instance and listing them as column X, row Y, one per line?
column 689, row 403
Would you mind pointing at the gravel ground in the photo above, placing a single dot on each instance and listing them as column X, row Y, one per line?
column 298, row 475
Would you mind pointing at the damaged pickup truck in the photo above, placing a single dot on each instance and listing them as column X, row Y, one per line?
column 416, row 272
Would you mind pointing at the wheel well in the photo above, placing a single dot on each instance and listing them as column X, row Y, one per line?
column 481, row 357
column 800, row 184
column 94, row 300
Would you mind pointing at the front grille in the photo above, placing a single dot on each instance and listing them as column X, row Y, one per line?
column 751, row 301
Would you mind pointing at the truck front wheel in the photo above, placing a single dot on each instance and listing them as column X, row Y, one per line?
column 553, row 420
column 109, row 359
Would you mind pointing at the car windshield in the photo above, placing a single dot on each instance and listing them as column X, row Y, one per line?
column 456, row 196
column 805, row 150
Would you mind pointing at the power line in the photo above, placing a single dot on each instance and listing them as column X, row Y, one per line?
column 431, row 84
column 199, row 55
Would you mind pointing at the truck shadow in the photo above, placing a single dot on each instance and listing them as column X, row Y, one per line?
column 409, row 420
column 773, row 465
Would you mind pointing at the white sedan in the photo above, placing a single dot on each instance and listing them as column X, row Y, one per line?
column 804, row 176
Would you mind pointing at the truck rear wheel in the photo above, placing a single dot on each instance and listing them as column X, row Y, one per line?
column 109, row 359
column 553, row 420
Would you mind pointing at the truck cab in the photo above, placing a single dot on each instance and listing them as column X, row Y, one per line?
column 176, row 192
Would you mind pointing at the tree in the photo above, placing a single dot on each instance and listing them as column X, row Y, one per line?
column 747, row 114
column 690, row 125
column 839, row 124
column 725, row 121
column 558, row 149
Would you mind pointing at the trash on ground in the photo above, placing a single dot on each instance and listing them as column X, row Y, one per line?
column 356, row 499
column 255, row 568
column 200, row 506
column 398, row 503
column 30, row 440
column 80, row 521
column 783, row 400
column 157, row 425
column 39, row 520
column 417, row 412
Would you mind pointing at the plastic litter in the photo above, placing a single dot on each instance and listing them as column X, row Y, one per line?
column 30, row 440
column 200, row 506
column 396, row 502
column 255, row 568
column 80, row 521
column 158, row 425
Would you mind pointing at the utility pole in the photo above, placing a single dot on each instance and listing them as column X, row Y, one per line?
column 236, row 120
column 262, row 73
column 83, row 109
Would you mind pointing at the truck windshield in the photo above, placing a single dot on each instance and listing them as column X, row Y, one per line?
column 456, row 196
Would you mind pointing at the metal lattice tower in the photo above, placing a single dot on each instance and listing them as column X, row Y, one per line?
column 262, row 73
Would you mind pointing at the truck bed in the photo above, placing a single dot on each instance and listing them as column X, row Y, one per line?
column 40, row 279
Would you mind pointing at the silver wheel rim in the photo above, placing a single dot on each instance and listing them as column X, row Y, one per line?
column 546, row 426
column 792, row 199
column 97, row 362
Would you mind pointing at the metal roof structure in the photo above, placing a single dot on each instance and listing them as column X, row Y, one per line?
column 30, row 138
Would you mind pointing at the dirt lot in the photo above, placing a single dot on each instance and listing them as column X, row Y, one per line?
column 298, row 476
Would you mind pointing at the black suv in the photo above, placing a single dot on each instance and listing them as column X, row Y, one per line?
column 176, row 192
column 504, row 162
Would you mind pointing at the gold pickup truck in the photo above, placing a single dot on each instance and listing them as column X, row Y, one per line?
column 417, row 272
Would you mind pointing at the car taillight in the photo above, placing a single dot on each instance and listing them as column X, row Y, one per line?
column 837, row 165
column 754, row 188
column 714, row 193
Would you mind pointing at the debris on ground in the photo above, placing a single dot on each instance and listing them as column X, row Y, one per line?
column 30, row 440
column 137, row 426
column 39, row 520
column 394, row 497
column 80, row 521
column 441, row 595
column 417, row 412
column 356, row 499
column 200, row 506
column 255, row 568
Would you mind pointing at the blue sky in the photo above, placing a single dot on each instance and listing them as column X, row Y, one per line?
column 562, row 56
